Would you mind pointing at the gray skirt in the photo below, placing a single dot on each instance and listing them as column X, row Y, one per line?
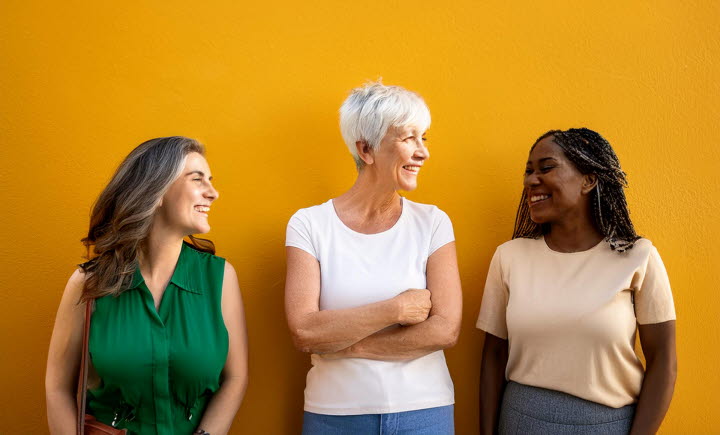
column 530, row 410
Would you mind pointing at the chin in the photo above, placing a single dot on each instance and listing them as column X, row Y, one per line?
column 538, row 219
column 408, row 187
column 201, row 230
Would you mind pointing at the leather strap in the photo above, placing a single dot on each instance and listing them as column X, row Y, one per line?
column 82, row 379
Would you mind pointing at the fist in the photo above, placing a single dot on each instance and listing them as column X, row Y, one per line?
column 413, row 306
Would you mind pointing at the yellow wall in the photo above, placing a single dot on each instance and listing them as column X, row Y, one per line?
column 260, row 84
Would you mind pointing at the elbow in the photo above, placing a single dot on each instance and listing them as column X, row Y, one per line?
column 300, row 340
column 672, row 370
column 304, row 341
column 240, row 384
column 452, row 337
column 664, row 366
column 57, row 387
column 448, row 337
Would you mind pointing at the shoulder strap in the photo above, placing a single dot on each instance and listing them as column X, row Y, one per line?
column 82, row 379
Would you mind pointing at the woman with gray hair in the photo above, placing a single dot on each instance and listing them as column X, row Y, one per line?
column 167, row 341
column 373, row 290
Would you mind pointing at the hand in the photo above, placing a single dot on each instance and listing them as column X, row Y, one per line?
column 413, row 306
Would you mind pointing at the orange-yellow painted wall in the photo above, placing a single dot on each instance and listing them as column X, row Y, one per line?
column 260, row 84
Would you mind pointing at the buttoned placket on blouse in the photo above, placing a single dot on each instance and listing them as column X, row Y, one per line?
column 160, row 339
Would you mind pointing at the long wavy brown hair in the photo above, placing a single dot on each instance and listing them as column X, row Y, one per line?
column 123, row 213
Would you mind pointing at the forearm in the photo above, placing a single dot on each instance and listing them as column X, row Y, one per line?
column 223, row 406
column 403, row 343
column 61, row 413
column 492, row 382
column 655, row 396
column 328, row 331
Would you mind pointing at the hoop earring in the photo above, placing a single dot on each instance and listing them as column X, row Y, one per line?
column 599, row 207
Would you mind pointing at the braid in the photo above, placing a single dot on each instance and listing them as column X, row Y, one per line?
column 591, row 154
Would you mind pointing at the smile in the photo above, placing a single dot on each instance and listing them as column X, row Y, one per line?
column 534, row 199
column 202, row 209
column 412, row 168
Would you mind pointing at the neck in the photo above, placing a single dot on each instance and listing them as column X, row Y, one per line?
column 573, row 236
column 369, row 196
column 159, row 252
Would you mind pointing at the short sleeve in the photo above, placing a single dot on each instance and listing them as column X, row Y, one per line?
column 442, row 231
column 653, row 298
column 298, row 233
column 494, row 303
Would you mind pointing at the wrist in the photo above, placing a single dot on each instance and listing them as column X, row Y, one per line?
column 354, row 350
column 393, row 311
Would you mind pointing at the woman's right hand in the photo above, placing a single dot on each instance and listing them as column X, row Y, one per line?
column 413, row 306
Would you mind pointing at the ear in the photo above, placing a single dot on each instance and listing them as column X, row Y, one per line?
column 589, row 183
column 365, row 152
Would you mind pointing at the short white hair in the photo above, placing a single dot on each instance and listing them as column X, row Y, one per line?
column 369, row 111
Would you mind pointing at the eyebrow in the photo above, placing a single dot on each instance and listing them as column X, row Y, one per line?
column 412, row 131
column 200, row 173
column 542, row 160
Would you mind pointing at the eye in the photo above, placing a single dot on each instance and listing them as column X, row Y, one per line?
column 197, row 179
column 528, row 171
column 424, row 139
column 545, row 169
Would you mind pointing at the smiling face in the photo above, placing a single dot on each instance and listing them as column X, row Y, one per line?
column 401, row 155
column 555, row 189
column 186, row 204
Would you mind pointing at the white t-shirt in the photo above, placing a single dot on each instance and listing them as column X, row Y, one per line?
column 358, row 269
column 570, row 318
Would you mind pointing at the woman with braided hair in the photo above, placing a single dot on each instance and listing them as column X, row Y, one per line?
column 564, row 299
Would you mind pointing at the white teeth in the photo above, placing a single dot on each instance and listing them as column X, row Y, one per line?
column 536, row 198
column 202, row 208
column 412, row 168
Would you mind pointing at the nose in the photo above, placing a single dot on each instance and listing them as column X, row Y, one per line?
column 422, row 152
column 531, row 179
column 211, row 193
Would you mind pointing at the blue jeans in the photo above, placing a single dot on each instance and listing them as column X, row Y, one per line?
column 431, row 421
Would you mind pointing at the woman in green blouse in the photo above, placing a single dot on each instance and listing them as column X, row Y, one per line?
column 168, row 346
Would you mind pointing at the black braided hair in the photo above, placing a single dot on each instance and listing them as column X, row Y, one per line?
column 591, row 154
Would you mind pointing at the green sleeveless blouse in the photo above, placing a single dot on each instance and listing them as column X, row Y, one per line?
column 160, row 368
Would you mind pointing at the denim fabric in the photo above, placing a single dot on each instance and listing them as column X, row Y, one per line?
column 530, row 410
column 431, row 421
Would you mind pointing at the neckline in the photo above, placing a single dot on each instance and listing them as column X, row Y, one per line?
column 342, row 224
column 547, row 247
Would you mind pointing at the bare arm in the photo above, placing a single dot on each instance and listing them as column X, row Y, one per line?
column 492, row 382
column 226, row 401
column 658, row 344
column 63, row 364
column 439, row 331
column 325, row 331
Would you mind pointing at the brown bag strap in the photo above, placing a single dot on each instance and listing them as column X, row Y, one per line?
column 82, row 380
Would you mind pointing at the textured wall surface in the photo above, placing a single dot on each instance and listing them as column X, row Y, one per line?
column 260, row 84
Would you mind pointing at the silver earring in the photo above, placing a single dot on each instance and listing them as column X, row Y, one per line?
column 599, row 208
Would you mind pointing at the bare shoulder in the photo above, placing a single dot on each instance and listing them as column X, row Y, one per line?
column 77, row 278
column 70, row 311
column 75, row 284
column 230, row 276
column 231, row 302
column 230, row 287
